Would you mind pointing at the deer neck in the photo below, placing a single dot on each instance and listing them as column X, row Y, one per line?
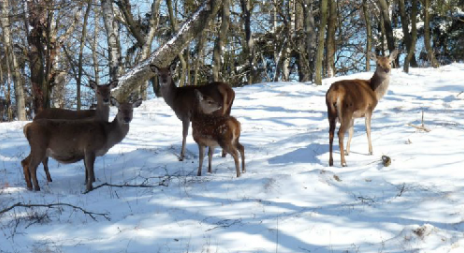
column 169, row 91
column 103, row 111
column 379, row 83
column 116, row 132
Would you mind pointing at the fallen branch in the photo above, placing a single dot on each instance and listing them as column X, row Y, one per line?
column 423, row 128
column 127, row 185
column 56, row 205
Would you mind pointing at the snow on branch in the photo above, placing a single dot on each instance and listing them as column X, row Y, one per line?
column 164, row 55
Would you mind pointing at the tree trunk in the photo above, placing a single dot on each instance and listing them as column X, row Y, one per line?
column 96, row 67
column 302, row 55
column 321, row 39
column 384, row 11
column 427, row 40
column 331, row 25
column 164, row 55
column 199, row 56
column 112, row 31
column 405, row 26
column 81, row 49
column 12, row 61
column 249, row 48
column 221, row 41
column 412, row 49
column 310, row 36
column 367, row 21
column 175, row 28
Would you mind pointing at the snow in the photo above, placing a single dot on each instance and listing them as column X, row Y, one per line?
column 289, row 200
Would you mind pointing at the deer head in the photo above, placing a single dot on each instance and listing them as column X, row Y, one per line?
column 164, row 74
column 125, row 110
column 384, row 62
column 103, row 92
column 207, row 105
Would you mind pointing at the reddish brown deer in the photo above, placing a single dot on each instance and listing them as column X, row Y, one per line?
column 182, row 99
column 211, row 130
column 350, row 99
column 102, row 112
column 69, row 141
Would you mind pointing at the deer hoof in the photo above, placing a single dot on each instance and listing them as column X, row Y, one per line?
column 344, row 165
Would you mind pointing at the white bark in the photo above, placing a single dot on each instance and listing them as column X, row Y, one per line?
column 18, row 84
column 112, row 31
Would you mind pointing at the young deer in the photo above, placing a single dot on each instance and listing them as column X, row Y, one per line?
column 182, row 99
column 69, row 141
column 213, row 130
column 350, row 99
column 102, row 112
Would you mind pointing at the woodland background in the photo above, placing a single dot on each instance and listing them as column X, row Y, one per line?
column 49, row 49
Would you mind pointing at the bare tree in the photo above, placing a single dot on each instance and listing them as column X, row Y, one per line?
column 331, row 26
column 412, row 48
column 221, row 40
column 428, row 46
column 12, row 61
column 114, row 46
column 367, row 21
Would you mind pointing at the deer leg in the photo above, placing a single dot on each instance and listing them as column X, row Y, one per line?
column 241, row 149
column 350, row 136
column 201, row 151
column 185, row 129
column 332, row 123
column 89, row 161
column 210, row 158
column 341, row 136
column 233, row 152
column 224, row 153
column 45, row 165
column 368, row 131
column 34, row 162
column 27, row 173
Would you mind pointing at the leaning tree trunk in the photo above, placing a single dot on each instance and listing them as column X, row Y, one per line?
column 320, row 45
column 164, row 55
column 332, row 21
column 221, row 40
column 412, row 49
column 427, row 39
column 112, row 31
column 367, row 21
column 13, row 62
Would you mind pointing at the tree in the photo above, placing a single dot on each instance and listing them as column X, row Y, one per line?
column 407, row 37
column 320, row 45
column 12, row 61
column 412, row 48
column 367, row 21
column 388, row 26
column 428, row 46
column 331, row 25
column 112, row 35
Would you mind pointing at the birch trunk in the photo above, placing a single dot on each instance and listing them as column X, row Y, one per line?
column 18, row 84
column 112, row 31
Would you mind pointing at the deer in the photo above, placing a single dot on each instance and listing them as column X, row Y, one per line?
column 182, row 99
column 69, row 141
column 347, row 100
column 102, row 111
column 210, row 130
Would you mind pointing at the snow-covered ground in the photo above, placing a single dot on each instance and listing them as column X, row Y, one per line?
column 289, row 200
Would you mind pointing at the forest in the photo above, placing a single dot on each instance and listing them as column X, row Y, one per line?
column 52, row 49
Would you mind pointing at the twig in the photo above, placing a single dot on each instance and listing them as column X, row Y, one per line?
column 126, row 185
column 423, row 128
column 55, row 205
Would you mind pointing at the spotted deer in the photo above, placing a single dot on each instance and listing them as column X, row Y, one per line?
column 69, row 141
column 350, row 99
column 211, row 130
column 102, row 111
column 182, row 99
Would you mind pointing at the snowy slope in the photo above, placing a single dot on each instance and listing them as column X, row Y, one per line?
column 289, row 200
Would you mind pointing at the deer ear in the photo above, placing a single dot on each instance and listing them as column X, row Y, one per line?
column 114, row 84
column 114, row 102
column 199, row 95
column 154, row 68
column 137, row 103
column 394, row 54
column 93, row 84
column 372, row 56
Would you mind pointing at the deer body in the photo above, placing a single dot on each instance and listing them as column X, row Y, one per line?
column 69, row 141
column 211, row 130
column 350, row 99
column 182, row 99
column 102, row 112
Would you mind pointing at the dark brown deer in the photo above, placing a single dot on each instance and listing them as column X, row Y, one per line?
column 211, row 130
column 69, row 141
column 102, row 112
column 182, row 99
column 350, row 99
